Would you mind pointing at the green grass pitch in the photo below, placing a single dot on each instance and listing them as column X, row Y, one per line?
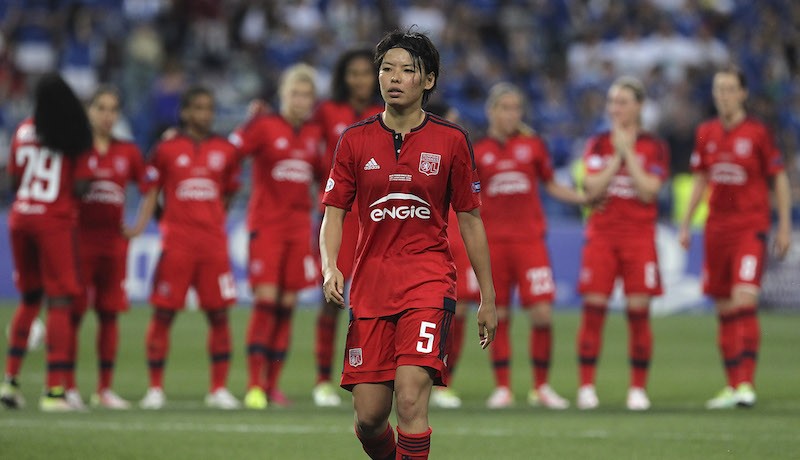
column 685, row 372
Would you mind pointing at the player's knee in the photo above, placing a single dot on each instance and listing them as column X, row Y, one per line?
column 163, row 316
column 106, row 317
column 217, row 317
column 411, row 405
column 371, row 423
column 33, row 297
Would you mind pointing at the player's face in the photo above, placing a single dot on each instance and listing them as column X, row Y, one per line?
column 402, row 82
column 103, row 113
column 359, row 76
column 505, row 115
column 728, row 93
column 199, row 114
column 298, row 99
column 622, row 107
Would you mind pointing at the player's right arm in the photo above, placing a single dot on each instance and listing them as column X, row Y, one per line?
column 330, row 240
column 477, row 246
column 147, row 207
column 699, row 185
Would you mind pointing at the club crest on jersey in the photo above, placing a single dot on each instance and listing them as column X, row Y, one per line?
column 216, row 160
column 355, row 357
column 523, row 153
column 183, row 160
column 742, row 147
column 121, row 165
column 429, row 163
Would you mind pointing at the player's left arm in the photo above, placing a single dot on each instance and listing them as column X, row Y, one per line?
column 783, row 205
column 563, row 193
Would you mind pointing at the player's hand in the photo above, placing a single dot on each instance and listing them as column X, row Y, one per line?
column 783, row 239
column 130, row 232
column 684, row 236
column 257, row 107
column 623, row 140
column 333, row 286
column 169, row 133
column 487, row 323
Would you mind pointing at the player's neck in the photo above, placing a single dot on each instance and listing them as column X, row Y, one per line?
column 101, row 144
column 359, row 105
column 195, row 133
column 403, row 120
column 295, row 121
column 732, row 119
column 498, row 135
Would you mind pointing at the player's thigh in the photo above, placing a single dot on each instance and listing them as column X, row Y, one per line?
column 599, row 267
column 214, row 282
column 502, row 271
column 172, row 277
column 748, row 261
column 300, row 270
column 533, row 273
column 266, row 255
column 58, row 258
column 110, row 292
column 25, row 252
column 718, row 265
column 369, row 355
column 639, row 263
column 421, row 340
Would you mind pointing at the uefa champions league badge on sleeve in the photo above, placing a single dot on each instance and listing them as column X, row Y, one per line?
column 476, row 187
column 329, row 185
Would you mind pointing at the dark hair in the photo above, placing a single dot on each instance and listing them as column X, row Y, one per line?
column 190, row 94
column 340, row 92
column 419, row 46
column 737, row 72
column 103, row 90
column 59, row 117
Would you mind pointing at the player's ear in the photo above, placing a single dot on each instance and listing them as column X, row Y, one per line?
column 430, row 80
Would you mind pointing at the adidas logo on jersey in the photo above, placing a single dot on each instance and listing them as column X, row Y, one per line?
column 371, row 165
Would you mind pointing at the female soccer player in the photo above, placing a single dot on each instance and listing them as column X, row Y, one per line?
column 103, row 241
column 354, row 96
column 735, row 154
column 625, row 167
column 404, row 168
column 512, row 162
column 49, row 174
column 198, row 174
column 285, row 148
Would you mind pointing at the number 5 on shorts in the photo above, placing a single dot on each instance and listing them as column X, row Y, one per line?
column 426, row 346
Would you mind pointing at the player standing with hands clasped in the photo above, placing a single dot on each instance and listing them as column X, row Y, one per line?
column 736, row 155
column 625, row 168
column 403, row 292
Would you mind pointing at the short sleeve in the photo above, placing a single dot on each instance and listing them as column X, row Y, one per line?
column 464, row 181
column 249, row 137
column 154, row 171
column 592, row 159
column 697, row 160
column 544, row 166
column 231, row 181
column 340, row 189
column 772, row 160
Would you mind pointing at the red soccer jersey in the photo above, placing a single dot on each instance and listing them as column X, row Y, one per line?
column 738, row 163
column 510, row 173
column 623, row 213
column 404, row 188
column 333, row 118
column 45, row 178
column 102, row 207
column 285, row 161
column 194, row 177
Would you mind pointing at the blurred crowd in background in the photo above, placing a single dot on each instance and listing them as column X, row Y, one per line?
column 563, row 53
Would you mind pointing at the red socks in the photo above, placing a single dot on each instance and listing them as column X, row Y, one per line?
column 59, row 338
column 279, row 344
column 18, row 336
column 107, row 341
column 325, row 340
column 455, row 344
column 640, row 345
column 413, row 446
column 750, row 334
column 259, row 330
column 729, row 345
column 382, row 447
column 75, row 317
column 500, row 351
column 541, row 345
column 589, row 340
column 219, row 347
column 157, row 341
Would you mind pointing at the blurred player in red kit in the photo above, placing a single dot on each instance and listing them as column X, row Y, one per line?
column 625, row 167
column 512, row 161
column 103, row 242
column 197, row 172
column 49, row 173
column 286, row 153
column 736, row 156
column 404, row 168
column 354, row 96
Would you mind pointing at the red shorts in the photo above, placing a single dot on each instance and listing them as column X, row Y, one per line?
column 45, row 257
column 732, row 260
column 209, row 273
column 281, row 261
column 634, row 260
column 467, row 288
column 523, row 264
column 103, row 273
column 375, row 347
